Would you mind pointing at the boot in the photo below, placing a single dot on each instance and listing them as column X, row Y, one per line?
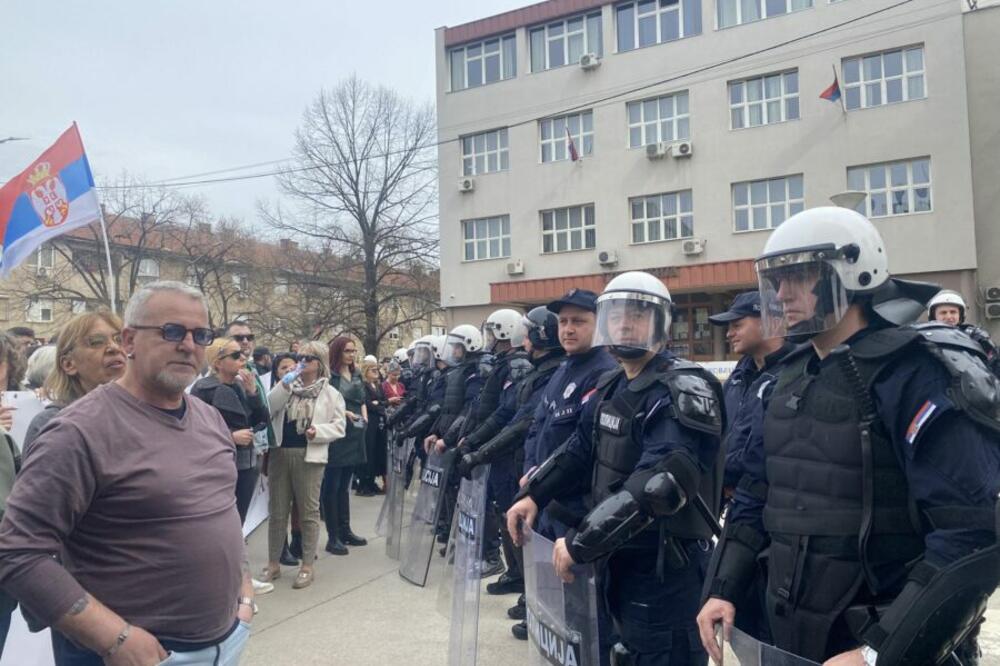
column 336, row 547
column 286, row 557
column 506, row 584
column 520, row 630
column 295, row 547
column 519, row 610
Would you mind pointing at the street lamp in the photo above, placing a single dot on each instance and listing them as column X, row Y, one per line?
column 848, row 199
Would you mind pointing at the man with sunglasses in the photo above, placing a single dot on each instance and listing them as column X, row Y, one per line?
column 122, row 532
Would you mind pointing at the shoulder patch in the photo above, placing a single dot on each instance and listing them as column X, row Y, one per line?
column 569, row 390
column 920, row 419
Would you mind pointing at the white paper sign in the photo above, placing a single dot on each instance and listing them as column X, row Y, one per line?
column 27, row 406
column 24, row 648
column 257, row 512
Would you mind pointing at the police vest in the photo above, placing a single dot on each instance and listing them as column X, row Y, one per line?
column 489, row 397
column 696, row 402
column 537, row 379
column 454, row 390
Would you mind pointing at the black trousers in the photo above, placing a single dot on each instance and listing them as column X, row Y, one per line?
column 335, row 498
column 246, row 483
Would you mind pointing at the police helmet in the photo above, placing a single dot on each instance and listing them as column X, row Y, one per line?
column 543, row 328
column 460, row 342
column 400, row 356
column 812, row 268
column 633, row 315
column 947, row 297
column 504, row 324
column 438, row 343
column 423, row 353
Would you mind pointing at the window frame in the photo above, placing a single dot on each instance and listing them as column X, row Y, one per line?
column 686, row 313
column 37, row 258
column 676, row 119
column 862, row 85
column 762, row 6
column 680, row 7
column 745, row 103
column 140, row 273
column 474, row 240
column 911, row 187
column 30, row 315
column 555, row 234
column 557, row 141
column 564, row 36
column 502, row 151
column 790, row 203
column 502, row 41
column 662, row 220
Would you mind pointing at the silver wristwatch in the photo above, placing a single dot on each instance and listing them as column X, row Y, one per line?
column 869, row 654
column 247, row 601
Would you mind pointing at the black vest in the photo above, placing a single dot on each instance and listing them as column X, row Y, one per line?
column 538, row 378
column 617, row 436
column 838, row 510
column 454, row 389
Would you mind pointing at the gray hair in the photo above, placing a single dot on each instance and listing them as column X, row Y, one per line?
column 135, row 309
column 40, row 365
column 319, row 350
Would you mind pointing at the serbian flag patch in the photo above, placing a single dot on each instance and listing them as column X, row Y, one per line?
column 922, row 417
column 586, row 396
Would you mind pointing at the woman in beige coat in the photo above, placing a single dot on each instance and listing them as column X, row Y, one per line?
column 306, row 415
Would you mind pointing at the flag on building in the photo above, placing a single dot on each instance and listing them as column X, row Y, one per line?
column 573, row 155
column 832, row 94
column 55, row 194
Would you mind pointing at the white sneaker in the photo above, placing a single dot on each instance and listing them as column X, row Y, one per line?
column 260, row 587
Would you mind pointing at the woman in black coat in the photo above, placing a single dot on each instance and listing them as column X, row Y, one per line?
column 375, row 434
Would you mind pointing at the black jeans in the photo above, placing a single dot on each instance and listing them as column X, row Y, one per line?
column 335, row 497
column 246, row 483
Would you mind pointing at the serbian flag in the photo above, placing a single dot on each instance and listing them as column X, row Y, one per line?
column 832, row 94
column 573, row 155
column 55, row 194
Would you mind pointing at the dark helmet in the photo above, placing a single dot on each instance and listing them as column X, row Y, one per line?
column 543, row 328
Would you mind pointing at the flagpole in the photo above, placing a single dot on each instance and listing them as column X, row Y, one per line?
column 836, row 77
column 112, row 286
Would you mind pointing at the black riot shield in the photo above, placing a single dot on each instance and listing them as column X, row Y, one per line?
column 562, row 617
column 458, row 594
column 419, row 546
column 742, row 650
column 393, row 507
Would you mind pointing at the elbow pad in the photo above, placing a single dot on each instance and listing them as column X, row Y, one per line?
column 612, row 524
column 664, row 490
column 559, row 475
column 507, row 441
column 422, row 422
column 734, row 563
column 401, row 414
column 454, row 431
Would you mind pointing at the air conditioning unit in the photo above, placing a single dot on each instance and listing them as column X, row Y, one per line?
column 590, row 61
column 466, row 185
column 43, row 271
column 693, row 246
column 993, row 310
column 657, row 151
column 681, row 149
column 607, row 258
column 993, row 293
column 515, row 267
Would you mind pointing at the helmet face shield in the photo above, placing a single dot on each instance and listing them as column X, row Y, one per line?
column 490, row 338
column 801, row 295
column 423, row 356
column 454, row 351
column 632, row 323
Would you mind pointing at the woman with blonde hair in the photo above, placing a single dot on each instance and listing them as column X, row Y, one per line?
column 88, row 354
column 307, row 416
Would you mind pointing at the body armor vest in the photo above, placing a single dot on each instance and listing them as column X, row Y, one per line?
column 454, row 390
column 618, row 431
column 838, row 510
column 538, row 378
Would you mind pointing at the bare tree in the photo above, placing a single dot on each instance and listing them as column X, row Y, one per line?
column 364, row 179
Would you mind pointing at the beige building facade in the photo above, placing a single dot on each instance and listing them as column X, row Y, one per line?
column 700, row 130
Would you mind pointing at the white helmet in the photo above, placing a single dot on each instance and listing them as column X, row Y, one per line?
column 947, row 297
column 633, row 315
column 464, row 337
column 818, row 259
column 423, row 353
column 400, row 356
column 438, row 344
column 505, row 324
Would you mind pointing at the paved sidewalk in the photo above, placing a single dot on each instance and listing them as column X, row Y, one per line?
column 359, row 611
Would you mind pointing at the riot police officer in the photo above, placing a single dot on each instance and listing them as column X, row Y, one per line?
column 948, row 307
column 873, row 473
column 647, row 448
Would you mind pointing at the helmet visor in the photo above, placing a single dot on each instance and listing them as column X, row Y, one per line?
column 454, row 351
column 628, row 320
column 800, row 296
column 422, row 356
column 490, row 338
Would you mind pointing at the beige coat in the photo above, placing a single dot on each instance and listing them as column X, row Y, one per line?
column 328, row 419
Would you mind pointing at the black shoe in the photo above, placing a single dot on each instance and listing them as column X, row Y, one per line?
column 336, row 547
column 295, row 545
column 492, row 568
column 506, row 584
column 287, row 559
column 518, row 612
column 352, row 539
column 520, row 630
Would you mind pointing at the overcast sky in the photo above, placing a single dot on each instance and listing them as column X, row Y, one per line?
column 166, row 88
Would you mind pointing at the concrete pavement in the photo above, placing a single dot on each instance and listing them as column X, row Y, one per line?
column 359, row 611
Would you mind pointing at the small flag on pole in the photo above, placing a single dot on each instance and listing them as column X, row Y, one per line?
column 832, row 94
column 55, row 194
column 573, row 155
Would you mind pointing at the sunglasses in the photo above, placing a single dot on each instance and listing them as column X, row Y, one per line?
column 236, row 355
column 202, row 337
column 244, row 338
column 306, row 358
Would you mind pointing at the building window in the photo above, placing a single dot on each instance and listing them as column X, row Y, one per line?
column 765, row 204
column 691, row 332
column 78, row 306
column 242, row 282
column 40, row 310
column 43, row 259
column 658, row 119
column 661, row 217
column 884, row 78
column 553, row 133
column 649, row 22
column 893, row 188
column 564, row 42
column 568, row 229
column 416, row 333
column 485, row 153
column 280, row 286
column 486, row 238
column 4, row 308
column 737, row 12
column 763, row 100
column 484, row 62
column 149, row 268
column 437, row 330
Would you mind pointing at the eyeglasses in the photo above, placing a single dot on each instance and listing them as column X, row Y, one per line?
column 305, row 358
column 243, row 338
column 202, row 337
column 236, row 355
column 103, row 341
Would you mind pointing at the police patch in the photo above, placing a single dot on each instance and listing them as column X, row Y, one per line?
column 611, row 423
column 921, row 418
column 569, row 390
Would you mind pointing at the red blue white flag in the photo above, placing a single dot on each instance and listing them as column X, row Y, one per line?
column 55, row 194
column 832, row 94
column 573, row 155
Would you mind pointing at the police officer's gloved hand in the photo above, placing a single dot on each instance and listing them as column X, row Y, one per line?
column 467, row 462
